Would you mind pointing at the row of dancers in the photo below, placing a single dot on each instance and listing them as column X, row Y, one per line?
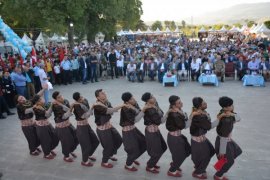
column 41, row 132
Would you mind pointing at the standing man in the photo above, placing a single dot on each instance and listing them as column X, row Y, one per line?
column 112, row 60
column 109, row 137
column 20, row 81
column 83, row 68
column 44, row 79
column 93, row 65
column 241, row 68
column 65, row 64
column 220, row 68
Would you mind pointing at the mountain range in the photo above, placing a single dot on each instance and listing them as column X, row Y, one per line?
column 258, row 12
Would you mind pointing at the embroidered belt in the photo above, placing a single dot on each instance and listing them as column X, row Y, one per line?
column 152, row 128
column 44, row 122
column 198, row 138
column 105, row 126
column 62, row 124
column 128, row 128
column 82, row 122
column 175, row 133
column 27, row 122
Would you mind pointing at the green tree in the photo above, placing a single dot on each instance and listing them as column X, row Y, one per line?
column 88, row 16
column 141, row 25
column 267, row 24
column 183, row 23
column 156, row 24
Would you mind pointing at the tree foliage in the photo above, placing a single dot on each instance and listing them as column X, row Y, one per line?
column 156, row 24
column 88, row 16
column 267, row 24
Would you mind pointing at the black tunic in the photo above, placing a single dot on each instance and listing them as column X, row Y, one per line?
column 175, row 121
column 152, row 117
column 59, row 112
column 78, row 111
column 200, row 124
column 101, row 117
column 128, row 115
column 225, row 125
column 21, row 110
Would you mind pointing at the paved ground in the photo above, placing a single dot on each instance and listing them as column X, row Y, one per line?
column 252, row 134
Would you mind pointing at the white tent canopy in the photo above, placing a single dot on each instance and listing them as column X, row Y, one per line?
column 148, row 31
column 130, row 32
column 211, row 30
column 177, row 30
column 244, row 28
column 27, row 39
column 40, row 42
column 157, row 31
column 120, row 33
column 202, row 30
column 234, row 30
column 55, row 38
column 263, row 29
column 223, row 29
column 139, row 32
column 167, row 30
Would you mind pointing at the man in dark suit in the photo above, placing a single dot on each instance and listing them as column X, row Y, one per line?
column 152, row 69
column 83, row 67
column 141, row 70
column 112, row 60
column 265, row 68
column 241, row 68
column 182, row 69
column 162, row 69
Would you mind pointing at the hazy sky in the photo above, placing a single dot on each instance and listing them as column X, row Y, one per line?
column 178, row 9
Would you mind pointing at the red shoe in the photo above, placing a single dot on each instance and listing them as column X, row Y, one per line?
column 87, row 164
column 92, row 158
column 152, row 170
column 136, row 162
column 179, row 169
column 35, row 153
column 174, row 174
column 132, row 169
column 73, row 155
column 68, row 159
column 107, row 165
column 157, row 167
column 53, row 153
column 199, row 176
column 50, row 156
column 220, row 178
column 113, row 158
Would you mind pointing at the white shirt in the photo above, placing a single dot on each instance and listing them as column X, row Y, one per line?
column 152, row 66
column 207, row 67
column 57, row 69
column 131, row 68
column 141, row 68
column 199, row 60
column 120, row 63
column 162, row 66
column 195, row 66
column 42, row 76
column 183, row 66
